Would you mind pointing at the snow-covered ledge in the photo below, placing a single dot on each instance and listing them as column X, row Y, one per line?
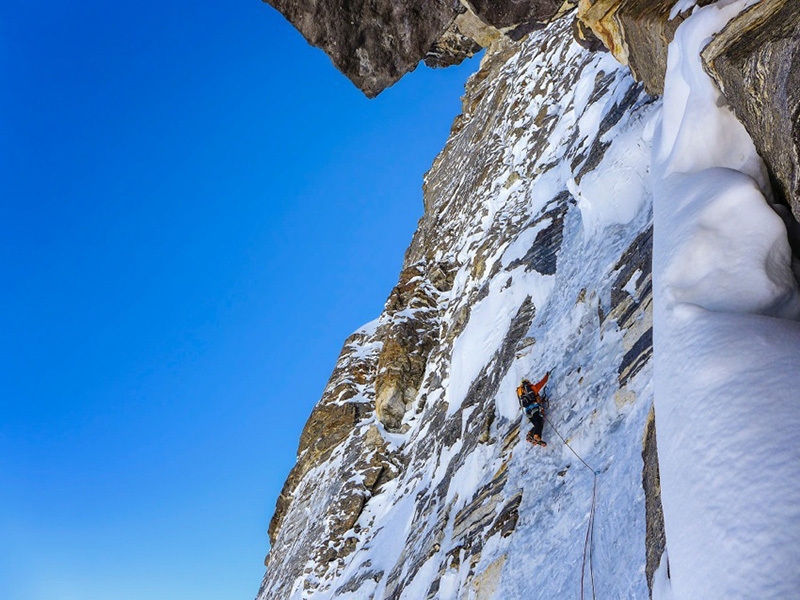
column 727, row 345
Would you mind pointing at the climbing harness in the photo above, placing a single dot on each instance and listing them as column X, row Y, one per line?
column 531, row 409
column 588, row 544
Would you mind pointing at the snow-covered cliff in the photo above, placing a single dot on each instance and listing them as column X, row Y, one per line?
column 535, row 254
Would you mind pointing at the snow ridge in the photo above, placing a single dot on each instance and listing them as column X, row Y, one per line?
column 726, row 344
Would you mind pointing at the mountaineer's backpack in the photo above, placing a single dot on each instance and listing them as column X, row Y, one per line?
column 529, row 400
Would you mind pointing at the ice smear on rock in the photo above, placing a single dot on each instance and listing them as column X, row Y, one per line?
column 726, row 345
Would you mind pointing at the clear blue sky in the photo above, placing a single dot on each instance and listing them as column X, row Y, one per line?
column 197, row 209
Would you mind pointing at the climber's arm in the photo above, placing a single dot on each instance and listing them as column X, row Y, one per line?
column 538, row 387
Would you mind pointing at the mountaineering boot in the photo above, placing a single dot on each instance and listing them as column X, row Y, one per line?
column 535, row 439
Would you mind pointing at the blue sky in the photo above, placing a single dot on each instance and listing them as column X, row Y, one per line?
column 197, row 209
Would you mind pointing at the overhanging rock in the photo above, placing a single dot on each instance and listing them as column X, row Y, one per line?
column 375, row 42
column 518, row 18
column 637, row 32
column 755, row 61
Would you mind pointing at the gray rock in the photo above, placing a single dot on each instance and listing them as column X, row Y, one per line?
column 374, row 43
column 452, row 48
column 331, row 422
column 518, row 18
column 408, row 335
column 637, row 32
column 755, row 61
column 656, row 538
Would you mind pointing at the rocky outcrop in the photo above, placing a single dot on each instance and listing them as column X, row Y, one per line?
column 345, row 403
column 374, row 43
column 458, row 41
column 584, row 35
column 656, row 538
column 755, row 61
column 632, row 307
column 409, row 333
column 515, row 18
column 637, row 32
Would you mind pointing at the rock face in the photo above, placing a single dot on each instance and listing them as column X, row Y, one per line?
column 518, row 18
column 344, row 404
column 651, row 481
column 413, row 478
column 755, row 61
column 408, row 336
column 637, row 32
column 374, row 43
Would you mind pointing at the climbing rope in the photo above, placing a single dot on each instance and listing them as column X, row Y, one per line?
column 588, row 544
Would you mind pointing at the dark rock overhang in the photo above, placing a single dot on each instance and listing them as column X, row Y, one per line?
column 375, row 42
column 755, row 62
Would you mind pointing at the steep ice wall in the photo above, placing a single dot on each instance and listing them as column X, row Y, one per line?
column 534, row 254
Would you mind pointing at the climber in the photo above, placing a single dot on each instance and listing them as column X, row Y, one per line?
column 533, row 404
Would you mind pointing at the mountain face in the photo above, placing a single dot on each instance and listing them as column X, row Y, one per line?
column 414, row 479
column 537, row 253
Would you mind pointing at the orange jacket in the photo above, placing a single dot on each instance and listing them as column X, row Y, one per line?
column 537, row 387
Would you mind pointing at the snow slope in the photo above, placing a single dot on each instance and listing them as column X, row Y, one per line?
column 727, row 344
